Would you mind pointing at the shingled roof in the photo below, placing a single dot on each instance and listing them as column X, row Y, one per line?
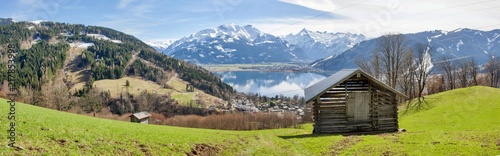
column 141, row 115
column 317, row 89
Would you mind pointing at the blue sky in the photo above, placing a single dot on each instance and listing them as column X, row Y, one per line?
column 159, row 20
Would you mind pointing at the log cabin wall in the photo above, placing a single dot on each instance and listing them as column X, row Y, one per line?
column 355, row 105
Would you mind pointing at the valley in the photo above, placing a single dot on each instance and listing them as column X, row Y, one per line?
column 470, row 129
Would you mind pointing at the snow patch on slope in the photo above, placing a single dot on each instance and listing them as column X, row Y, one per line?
column 103, row 37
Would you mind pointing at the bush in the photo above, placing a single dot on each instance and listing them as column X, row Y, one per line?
column 127, row 83
column 236, row 121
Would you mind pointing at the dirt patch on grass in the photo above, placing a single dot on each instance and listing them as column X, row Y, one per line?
column 203, row 149
column 144, row 149
column 37, row 149
column 498, row 144
column 345, row 144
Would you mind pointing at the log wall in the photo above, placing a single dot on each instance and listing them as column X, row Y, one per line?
column 343, row 108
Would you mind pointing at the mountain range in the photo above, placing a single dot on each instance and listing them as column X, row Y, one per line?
column 234, row 44
column 456, row 44
column 318, row 45
column 331, row 51
column 160, row 46
column 246, row 44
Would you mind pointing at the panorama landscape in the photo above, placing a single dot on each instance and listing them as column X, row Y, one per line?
column 241, row 77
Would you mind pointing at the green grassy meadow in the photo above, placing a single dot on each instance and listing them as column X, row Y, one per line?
column 460, row 122
column 137, row 85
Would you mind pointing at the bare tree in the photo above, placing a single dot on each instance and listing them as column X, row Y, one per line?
column 388, row 59
column 92, row 101
column 142, row 100
column 391, row 50
column 407, row 79
column 493, row 70
column 449, row 68
column 473, row 70
column 435, row 84
column 462, row 73
column 30, row 95
column 421, row 72
column 61, row 97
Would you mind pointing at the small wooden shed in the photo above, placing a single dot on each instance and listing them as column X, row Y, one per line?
column 141, row 117
column 353, row 101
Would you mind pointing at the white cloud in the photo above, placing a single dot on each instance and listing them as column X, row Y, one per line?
column 323, row 5
column 377, row 17
column 124, row 3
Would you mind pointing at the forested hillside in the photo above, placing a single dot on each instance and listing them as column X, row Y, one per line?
column 42, row 50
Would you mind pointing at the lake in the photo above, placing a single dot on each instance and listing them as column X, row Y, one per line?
column 270, row 83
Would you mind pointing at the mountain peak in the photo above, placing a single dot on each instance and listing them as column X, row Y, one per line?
column 231, row 26
column 318, row 44
column 303, row 32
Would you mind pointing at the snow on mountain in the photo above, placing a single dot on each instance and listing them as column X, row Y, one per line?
column 37, row 21
column 160, row 46
column 318, row 45
column 234, row 44
column 455, row 45
column 103, row 37
column 80, row 45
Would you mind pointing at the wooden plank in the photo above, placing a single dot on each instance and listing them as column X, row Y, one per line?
column 332, row 126
column 332, row 106
column 381, row 122
column 354, row 85
column 358, row 108
column 337, row 107
column 333, row 111
column 331, row 95
column 330, row 122
column 387, row 119
column 333, row 131
column 351, row 106
column 335, row 92
column 332, row 116
column 387, row 126
column 333, row 100
column 386, row 108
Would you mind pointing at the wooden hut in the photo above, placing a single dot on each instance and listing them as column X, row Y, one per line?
column 141, row 117
column 353, row 101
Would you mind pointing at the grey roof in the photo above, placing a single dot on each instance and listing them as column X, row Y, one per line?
column 315, row 90
column 141, row 115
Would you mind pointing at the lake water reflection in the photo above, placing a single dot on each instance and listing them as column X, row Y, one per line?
column 270, row 83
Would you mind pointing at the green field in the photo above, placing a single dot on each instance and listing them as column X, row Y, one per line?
column 459, row 122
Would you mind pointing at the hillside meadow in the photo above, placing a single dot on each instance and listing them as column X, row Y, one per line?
column 458, row 122
column 177, row 89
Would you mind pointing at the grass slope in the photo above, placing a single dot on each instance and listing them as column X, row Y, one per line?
column 459, row 122
column 138, row 85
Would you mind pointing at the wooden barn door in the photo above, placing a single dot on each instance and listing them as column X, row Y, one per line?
column 358, row 106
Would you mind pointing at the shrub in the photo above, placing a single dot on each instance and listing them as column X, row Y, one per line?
column 236, row 121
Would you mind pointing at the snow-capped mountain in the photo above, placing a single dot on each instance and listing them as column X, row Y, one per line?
column 318, row 45
column 454, row 45
column 5, row 21
column 235, row 44
column 160, row 46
